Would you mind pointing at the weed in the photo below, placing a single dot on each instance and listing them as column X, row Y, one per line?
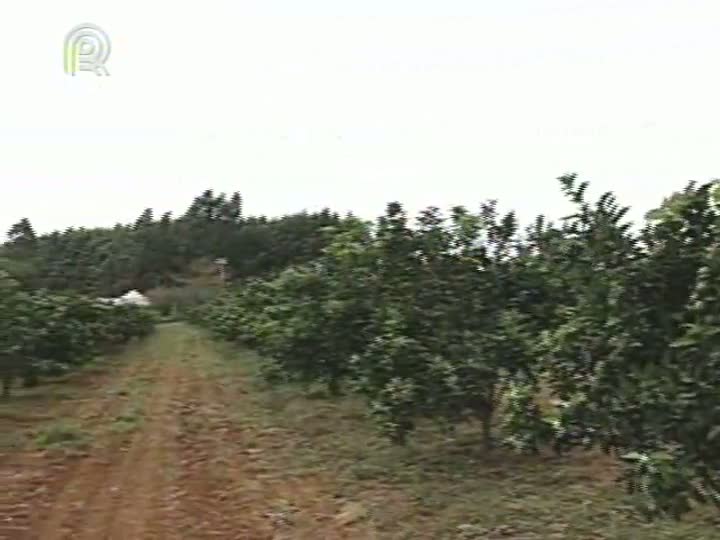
column 128, row 421
column 62, row 435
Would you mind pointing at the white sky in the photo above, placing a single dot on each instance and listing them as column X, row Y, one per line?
column 351, row 105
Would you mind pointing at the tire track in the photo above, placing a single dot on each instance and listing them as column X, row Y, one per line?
column 33, row 482
column 135, row 491
column 243, row 495
column 86, row 483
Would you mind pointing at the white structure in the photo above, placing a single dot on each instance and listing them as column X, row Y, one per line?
column 133, row 297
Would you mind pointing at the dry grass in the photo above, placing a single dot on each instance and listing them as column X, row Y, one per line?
column 440, row 488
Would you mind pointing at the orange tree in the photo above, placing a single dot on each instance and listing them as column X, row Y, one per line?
column 635, row 356
column 43, row 333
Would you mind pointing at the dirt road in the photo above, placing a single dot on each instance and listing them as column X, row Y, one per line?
column 156, row 451
column 173, row 439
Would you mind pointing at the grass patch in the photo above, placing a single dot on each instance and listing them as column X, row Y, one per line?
column 13, row 440
column 129, row 420
column 133, row 415
column 439, row 486
column 62, row 435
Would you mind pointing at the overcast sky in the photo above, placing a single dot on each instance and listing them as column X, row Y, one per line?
column 305, row 104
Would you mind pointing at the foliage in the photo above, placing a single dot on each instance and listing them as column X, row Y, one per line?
column 464, row 317
column 412, row 319
column 44, row 333
column 160, row 252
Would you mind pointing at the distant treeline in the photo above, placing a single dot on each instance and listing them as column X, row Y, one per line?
column 158, row 251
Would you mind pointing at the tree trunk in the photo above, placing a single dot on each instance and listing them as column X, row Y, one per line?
column 399, row 438
column 6, row 384
column 487, row 438
column 485, row 413
column 399, row 435
column 30, row 378
column 334, row 387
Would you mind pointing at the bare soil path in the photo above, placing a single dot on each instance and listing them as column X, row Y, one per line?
column 175, row 438
column 179, row 468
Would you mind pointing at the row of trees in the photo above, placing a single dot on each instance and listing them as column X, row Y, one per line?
column 467, row 316
column 50, row 321
column 43, row 333
column 157, row 251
